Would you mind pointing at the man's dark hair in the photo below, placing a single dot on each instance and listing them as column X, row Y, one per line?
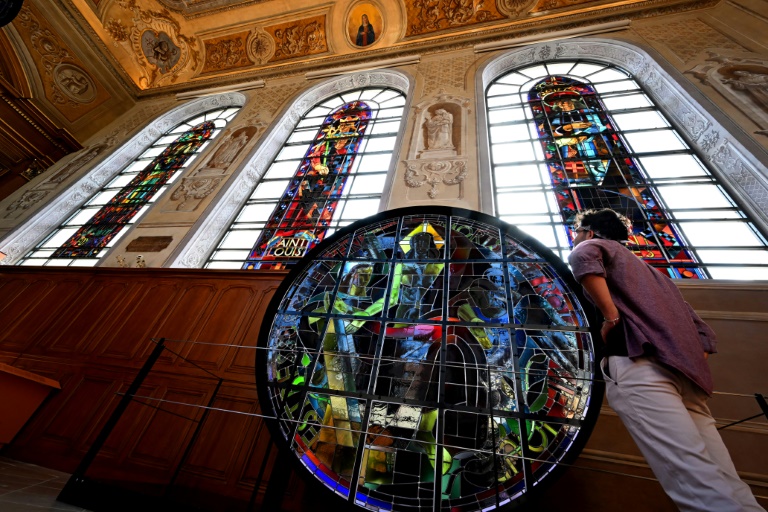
column 606, row 223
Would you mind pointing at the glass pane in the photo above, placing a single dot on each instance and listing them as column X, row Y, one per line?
column 626, row 102
column 640, row 121
column 512, row 152
column 671, row 166
column 655, row 141
column 720, row 234
column 270, row 190
column 693, row 196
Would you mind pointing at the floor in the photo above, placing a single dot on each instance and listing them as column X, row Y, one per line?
column 29, row 488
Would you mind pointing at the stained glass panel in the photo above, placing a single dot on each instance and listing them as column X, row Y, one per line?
column 429, row 359
column 336, row 160
column 570, row 136
column 84, row 238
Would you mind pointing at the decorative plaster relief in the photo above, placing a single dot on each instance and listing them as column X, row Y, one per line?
column 446, row 73
column 742, row 80
column 298, row 38
column 26, row 201
column 223, row 53
column 156, row 44
column 66, row 83
column 53, row 214
column 195, row 8
column 260, row 46
column 686, row 38
column 433, row 173
column 202, row 239
column 436, row 15
column 515, row 8
column 729, row 159
column 550, row 5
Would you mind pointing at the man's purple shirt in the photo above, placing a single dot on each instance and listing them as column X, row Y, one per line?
column 652, row 308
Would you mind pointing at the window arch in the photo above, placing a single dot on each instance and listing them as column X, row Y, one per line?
column 571, row 134
column 330, row 172
column 53, row 225
column 236, row 221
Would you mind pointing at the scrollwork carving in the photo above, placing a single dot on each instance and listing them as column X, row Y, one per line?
column 260, row 47
column 448, row 172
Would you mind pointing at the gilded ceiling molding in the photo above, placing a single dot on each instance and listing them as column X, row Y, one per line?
column 198, row 8
column 202, row 238
column 714, row 138
column 226, row 53
column 24, row 237
column 66, row 83
column 155, row 43
column 429, row 17
column 298, row 38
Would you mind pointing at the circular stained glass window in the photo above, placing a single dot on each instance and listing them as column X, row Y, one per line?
column 429, row 359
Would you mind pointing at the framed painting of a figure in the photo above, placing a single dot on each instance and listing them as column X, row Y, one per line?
column 364, row 24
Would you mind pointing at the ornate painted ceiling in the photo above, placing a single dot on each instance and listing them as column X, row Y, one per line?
column 180, row 44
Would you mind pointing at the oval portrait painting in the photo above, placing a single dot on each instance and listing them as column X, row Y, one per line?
column 364, row 24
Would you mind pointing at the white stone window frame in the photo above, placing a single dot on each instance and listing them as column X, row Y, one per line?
column 53, row 214
column 205, row 234
column 738, row 163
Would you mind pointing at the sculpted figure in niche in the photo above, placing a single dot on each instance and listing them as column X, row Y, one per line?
column 229, row 150
column 439, row 130
column 365, row 35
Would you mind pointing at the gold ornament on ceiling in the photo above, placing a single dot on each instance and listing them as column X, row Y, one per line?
column 429, row 16
column 224, row 53
column 260, row 46
column 156, row 43
column 298, row 38
column 67, row 85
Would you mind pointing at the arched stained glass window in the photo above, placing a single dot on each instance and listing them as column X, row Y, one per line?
column 567, row 136
column 89, row 232
column 330, row 172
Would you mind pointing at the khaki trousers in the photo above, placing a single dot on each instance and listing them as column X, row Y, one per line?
column 668, row 417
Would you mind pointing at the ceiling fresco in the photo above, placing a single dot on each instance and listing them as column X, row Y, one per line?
column 156, row 44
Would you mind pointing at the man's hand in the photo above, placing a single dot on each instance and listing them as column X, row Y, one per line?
column 605, row 329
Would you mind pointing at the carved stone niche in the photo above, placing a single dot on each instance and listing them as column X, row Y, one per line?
column 437, row 159
column 741, row 79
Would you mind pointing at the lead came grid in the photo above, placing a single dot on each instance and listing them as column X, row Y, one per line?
column 399, row 350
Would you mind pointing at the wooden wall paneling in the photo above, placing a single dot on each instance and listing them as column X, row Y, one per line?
column 18, row 310
column 123, row 436
column 244, row 359
column 79, row 408
column 161, row 441
column 139, row 321
column 182, row 319
column 90, row 318
column 30, row 327
column 256, row 456
column 10, row 289
column 224, row 322
column 219, row 453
